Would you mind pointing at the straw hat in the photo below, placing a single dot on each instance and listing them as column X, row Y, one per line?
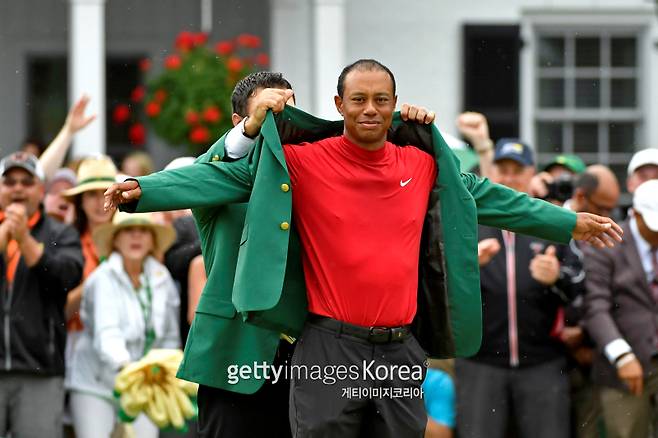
column 94, row 173
column 104, row 235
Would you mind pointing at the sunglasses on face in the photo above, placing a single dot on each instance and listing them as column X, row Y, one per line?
column 11, row 182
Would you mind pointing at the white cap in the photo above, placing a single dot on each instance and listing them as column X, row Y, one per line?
column 642, row 158
column 645, row 202
column 179, row 162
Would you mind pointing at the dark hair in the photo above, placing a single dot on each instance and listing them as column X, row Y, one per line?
column 246, row 87
column 363, row 65
column 33, row 140
column 81, row 221
column 588, row 183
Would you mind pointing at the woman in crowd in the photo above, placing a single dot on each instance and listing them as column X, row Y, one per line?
column 130, row 305
column 95, row 175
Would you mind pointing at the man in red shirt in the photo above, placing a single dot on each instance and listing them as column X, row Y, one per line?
column 359, row 204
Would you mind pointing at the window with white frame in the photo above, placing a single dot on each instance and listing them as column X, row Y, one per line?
column 587, row 95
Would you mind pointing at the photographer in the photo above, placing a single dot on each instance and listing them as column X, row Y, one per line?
column 556, row 182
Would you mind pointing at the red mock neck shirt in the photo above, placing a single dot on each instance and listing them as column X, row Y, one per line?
column 360, row 215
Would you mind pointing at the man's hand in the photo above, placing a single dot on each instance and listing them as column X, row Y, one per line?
column 121, row 193
column 76, row 120
column 631, row 375
column 545, row 268
column 539, row 185
column 572, row 336
column 268, row 98
column 475, row 128
column 487, row 249
column 16, row 220
column 597, row 230
column 416, row 114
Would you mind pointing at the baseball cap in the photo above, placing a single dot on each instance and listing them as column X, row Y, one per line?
column 645, row 202
column 62, row 174
column 571, row 162
column 513, row 149
column 643, row 158
column 23, row 160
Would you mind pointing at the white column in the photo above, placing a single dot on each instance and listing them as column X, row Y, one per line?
column 87, row 70
column 206, row 16
column 328, row 53
column 291, row 47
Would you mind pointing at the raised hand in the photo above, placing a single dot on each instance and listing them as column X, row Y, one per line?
column 76, row 119
column 475, row 128
column 121, row 193
column 545, row 268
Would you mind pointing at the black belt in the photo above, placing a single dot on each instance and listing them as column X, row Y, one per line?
column 374, row 335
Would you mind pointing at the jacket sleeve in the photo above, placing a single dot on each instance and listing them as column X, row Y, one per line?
column 598, row 299
column 195, row 186
column 60, row 267
column 501, row 207
column 109, row 341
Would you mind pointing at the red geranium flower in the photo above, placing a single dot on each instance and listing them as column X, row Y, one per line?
column 200, row 39
column 212, row 114
column 191, row 117
column 262, row 59
column 249, row 40
column 152, row 109
column 144, row 64
column 121, row 113
column 138, row 93
column 137, row 134
column 173, row 62
column 224, row 48
column 185, row 41
column 235, row 64
column 160, row 95
column 199, row 135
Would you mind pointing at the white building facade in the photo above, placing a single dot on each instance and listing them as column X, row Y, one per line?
column 571, row 76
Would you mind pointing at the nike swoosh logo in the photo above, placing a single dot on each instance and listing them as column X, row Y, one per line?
column 404, row 183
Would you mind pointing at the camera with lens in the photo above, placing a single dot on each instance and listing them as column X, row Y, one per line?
column 560, row 189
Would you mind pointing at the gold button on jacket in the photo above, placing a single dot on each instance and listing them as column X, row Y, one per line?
column 284, row 226
column 285, row 187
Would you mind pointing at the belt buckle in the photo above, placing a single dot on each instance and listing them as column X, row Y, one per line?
column 377, row 332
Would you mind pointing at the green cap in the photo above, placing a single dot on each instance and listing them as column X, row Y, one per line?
column 571, row 162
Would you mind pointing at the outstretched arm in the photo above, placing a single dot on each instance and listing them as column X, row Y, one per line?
column 198, row 185
column 501, row 207
column 53, row 157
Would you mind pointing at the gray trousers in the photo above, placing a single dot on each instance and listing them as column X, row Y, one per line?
column 536, row 397
column 31, row 406
column 360, row 405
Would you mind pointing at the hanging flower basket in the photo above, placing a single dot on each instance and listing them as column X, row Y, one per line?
column 189, row 102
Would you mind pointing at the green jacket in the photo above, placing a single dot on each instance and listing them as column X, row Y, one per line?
column 257, row 291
